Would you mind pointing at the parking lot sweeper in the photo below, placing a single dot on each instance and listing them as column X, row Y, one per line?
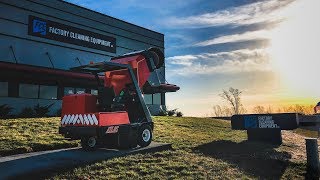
column 118, row 115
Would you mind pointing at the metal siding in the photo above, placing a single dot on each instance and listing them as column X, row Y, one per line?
column 62, row 58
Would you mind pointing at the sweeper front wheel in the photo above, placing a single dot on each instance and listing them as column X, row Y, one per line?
column 144, row 136
column 89, row 143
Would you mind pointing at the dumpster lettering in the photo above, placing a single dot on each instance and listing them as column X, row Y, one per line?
column 267, row 122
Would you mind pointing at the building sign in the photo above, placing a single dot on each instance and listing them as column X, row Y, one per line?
column 259, row 122
column 68, row 34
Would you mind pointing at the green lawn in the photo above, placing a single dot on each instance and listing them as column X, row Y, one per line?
column 33, row 134
column 202, row 149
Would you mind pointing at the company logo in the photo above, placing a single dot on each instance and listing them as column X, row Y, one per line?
column 250, row 122
column 112, row 129
column 39, row 27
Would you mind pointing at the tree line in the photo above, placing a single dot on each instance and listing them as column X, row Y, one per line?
column 234, row 106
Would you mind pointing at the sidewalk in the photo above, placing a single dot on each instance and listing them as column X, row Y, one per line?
column 54, row 160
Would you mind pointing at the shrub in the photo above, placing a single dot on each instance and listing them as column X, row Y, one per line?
column 27, row 112
column 5, row 110
column 42, row 111
column 171, row 112
column 179, row 114
column 162, row 113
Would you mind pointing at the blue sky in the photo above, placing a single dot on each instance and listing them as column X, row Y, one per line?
column 212, row 45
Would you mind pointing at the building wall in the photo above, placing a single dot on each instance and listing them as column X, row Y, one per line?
column 16, row 46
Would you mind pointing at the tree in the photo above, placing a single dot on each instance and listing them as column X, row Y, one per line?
column 222, row 111
column 217, row 110
column 269, row 110
column 259, row 110
column 233, row 98
column 227, row 112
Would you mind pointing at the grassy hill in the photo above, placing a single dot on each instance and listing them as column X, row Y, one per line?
column 203, row 148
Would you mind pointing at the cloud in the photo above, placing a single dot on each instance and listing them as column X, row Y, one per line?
column 247, row 36
column 258, row 12
column 232, row 62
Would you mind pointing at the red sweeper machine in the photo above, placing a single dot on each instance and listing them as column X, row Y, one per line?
column 118, row 116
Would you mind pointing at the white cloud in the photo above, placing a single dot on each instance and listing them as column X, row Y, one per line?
column 247, row 36
column 259, row 12
column 232, row 62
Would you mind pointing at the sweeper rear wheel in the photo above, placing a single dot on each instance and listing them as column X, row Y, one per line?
column 144, row 136
column 89, row 143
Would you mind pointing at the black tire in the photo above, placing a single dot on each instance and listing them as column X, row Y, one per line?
column 89, row 143
column 144, row 135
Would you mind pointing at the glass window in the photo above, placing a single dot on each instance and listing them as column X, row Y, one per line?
column 48, row 92
column 28, row 90
column 80, row 90
column 68, row 90
column 3, row 88
column 157, row 98
column 148, row 98
column 94, row 92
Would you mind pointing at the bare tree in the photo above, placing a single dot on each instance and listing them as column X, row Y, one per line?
column 269, row 110
column 242, row 110
column 259, row 110
column 217, row 110
column 233, row 98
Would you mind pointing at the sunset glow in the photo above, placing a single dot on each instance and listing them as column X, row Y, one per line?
column 295, row 48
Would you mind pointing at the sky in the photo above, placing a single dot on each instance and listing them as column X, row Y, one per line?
column 267, row 49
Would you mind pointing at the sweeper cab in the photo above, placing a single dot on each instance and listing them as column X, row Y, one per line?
column 118, row 115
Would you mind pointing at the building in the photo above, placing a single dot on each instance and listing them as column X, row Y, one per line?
column 40, row 40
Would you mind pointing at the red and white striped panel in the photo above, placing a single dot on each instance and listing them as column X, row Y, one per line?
column 79, row 119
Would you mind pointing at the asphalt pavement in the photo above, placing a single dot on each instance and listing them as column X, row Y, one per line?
column 18, row 166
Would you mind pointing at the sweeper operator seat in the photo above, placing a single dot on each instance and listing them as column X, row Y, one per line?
column 105, row 98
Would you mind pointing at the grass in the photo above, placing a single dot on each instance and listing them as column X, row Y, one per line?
column 203, row 148
column 307, row 133
column 32, row 134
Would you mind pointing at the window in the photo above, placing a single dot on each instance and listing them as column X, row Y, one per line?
column 28, row 90
column 148, row 98
column 80, row 90
column 94, row 91
column 157, row 98
column 71, row 90
column 48, row 92
column 68, row 90
column 3, row 88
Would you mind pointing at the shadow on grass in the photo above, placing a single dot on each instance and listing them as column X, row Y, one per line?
column 256, row 159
